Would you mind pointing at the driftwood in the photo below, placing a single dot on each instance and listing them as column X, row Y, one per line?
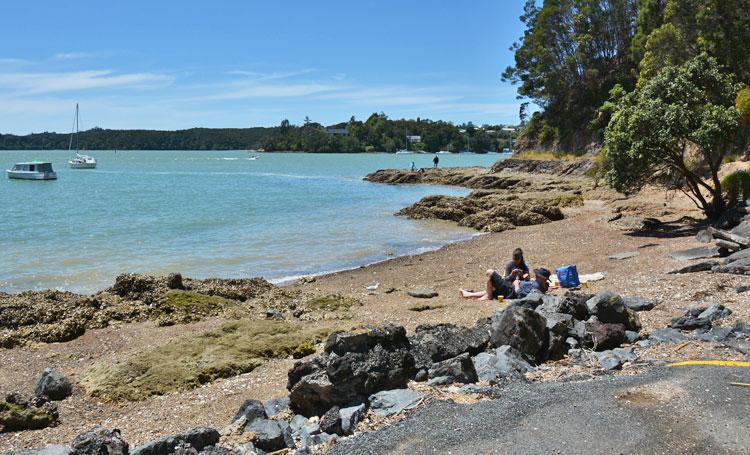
column 743, row 242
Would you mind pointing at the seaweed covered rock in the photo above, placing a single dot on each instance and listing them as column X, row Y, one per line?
column 135, row 286
column 53, row 385
column 355, row 365
column 434, row 343
column 19, row 413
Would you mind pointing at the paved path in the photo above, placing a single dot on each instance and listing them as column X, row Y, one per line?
column 686, row 409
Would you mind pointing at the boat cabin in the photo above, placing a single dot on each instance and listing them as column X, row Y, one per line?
column 35, row 166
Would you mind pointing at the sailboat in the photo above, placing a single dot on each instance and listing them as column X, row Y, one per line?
column 405, row 151
column 80, row 161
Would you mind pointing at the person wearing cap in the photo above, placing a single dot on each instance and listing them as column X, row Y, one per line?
column 497, row 286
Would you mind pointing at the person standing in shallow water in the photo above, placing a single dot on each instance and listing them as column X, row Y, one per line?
column 435, row 161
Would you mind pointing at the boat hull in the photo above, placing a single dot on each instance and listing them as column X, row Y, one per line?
column 27, row 175
column 82, row 165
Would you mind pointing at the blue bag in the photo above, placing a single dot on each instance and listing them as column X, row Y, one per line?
column 568, row 276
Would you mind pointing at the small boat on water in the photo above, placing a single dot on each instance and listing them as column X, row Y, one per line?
column 253, row 158
column 80, row 161
column 33, row 170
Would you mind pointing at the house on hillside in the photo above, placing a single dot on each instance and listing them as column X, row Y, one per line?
column 337, row 131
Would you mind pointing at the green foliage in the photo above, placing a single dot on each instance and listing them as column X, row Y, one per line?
column 678, row 125
column 743, row 105
column 736, row 186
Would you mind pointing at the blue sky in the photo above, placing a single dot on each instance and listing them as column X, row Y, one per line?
column 179, row 64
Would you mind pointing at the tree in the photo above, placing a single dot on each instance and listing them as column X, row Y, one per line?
column 677, row 126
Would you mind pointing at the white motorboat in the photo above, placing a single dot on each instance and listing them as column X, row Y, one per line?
column 253, row 158
column 33, row 170
column 80, row 161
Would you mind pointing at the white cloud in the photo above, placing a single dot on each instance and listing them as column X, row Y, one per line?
column 259, row 76
column 37, row 83
column 75, row 55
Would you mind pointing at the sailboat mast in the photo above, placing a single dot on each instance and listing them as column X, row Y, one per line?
column 77, row 128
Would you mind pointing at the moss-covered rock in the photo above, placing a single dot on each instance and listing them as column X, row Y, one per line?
column 186, row 362
column 18, row 413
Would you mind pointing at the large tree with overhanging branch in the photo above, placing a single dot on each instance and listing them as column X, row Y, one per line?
column 677, row 127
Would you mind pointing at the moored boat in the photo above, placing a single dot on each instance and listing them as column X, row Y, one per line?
column 33, row 170
column 80, row 161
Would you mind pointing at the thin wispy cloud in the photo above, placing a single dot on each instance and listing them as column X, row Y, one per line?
column 75, row 55
column 259, row 76
column 28, row 83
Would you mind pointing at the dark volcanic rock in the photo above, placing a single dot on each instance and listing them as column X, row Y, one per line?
column 276, row 405
column 271, row 435
column 606, row 336
column 99, row 441
column 174, row 281
column 502, row 362
column 350, row 417
column 251, row 410
column 458, row 369
column 697, row 267
column 53, row 385
column 197, row 438
column 610, row 308
column 700, row 317
column 355, row 365
column 696, row 253
column 54, row 449
column 331, row 421
column 639, row 303
column 523, row 329
column 391, row 402
column 434, row 343
column 667, row 335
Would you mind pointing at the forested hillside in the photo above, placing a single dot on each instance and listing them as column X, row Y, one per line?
column 577, row 57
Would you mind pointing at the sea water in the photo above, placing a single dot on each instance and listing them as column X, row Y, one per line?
column 210, row 213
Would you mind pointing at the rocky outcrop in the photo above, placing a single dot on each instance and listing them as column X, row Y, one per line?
column 522, row 329
column 99, row 441
column 19, row 413
column 551, row 167
column 355, row 365
column 435, row 343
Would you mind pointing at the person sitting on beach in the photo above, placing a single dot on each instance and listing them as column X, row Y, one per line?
column 517, row 267
column 497, row 286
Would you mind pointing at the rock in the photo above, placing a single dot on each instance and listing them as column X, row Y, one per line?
column 53, row 385
column 697, row 267
column 100, row 441
column 696, row 253
column 625, row 255
column 307, row 432
column 197, row 438
column 214, row 450
column 331, row 421
column 276, row 405
column 249, row 448
column 643, row 344
column 574, row 304
column 350, row 417
column 422, row 293
column 391, row 402
column 610, row 308
column 715, row 312
column 271, row 435
column 606, row 336
column 297, row 422
column 458, row 369
column 274, row 314
column 435, row 343
column 667, row 335
column 639, row 303
column 715, row 334
column 610, row 363
column 741, row 289
column 703, row 236
column 690, row 322
column 502, row 362
column 251, row 410
column 355, row 365
column 493, row 392
column 18, row 413
column 737, row 255
column 174, row 281
column 440, row 380
column 559, row 323
column 556, row 346
column 572, row 343
column 422, row 375
column 632, row 336
column 523, row 329
column 54, row 449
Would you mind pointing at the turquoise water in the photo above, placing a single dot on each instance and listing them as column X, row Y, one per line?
column 209, row 214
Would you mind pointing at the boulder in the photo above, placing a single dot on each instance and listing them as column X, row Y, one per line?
column 354, row 366
column 350, row 417
column 532, row 300
column 391, row 402
column 574, row 304
column 306, row 434
column 276, row 405
column 53, row 385
column 737, row 255
column 174, row 281
column 251, row 410
column 19, row 413
column 435, row 343
column 197, row 438
column 100, row 441
column 331, row 421
column 639, row 303
column 715, row 312
column 704, row 266
column 271, row 435
column 297, row 422
column 458, row 369
column 632, row 336
column 502, row 362
column 666, row 335
column 422, row 293
column 610, row 308
column 556, row 346
column 605, row 336
column 523, row 329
